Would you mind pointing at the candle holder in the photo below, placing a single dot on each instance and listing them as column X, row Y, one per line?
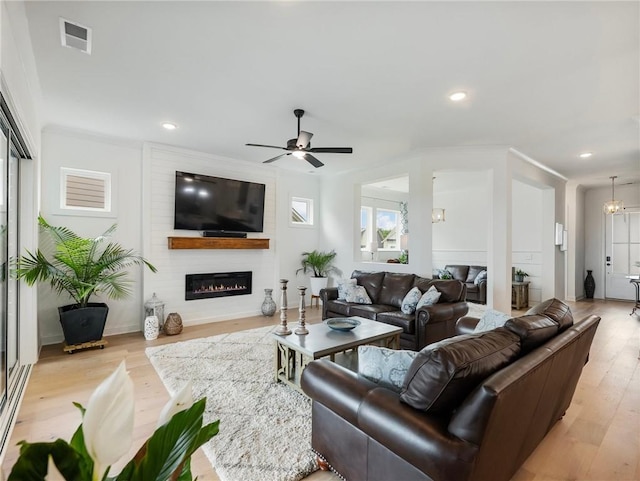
column 301, row 330
column 283, row 330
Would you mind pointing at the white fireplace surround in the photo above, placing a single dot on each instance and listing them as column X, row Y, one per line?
column 159, row 166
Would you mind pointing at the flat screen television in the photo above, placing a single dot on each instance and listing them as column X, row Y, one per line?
column 209, row 203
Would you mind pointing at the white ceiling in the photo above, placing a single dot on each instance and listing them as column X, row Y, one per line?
column 550, row 79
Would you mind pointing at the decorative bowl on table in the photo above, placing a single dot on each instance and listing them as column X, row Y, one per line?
column 342, row 323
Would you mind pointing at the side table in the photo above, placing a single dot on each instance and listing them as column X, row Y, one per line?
column 635, row 280
column 317, row 299
column 519, row 294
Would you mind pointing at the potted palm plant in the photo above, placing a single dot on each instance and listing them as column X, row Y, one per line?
column 81, row 267
column 321, row 265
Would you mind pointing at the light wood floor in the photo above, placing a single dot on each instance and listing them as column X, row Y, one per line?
column 597, row 440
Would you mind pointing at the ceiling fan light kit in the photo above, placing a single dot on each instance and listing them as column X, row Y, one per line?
column 300, row 147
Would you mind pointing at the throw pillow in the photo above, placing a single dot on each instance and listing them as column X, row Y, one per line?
column 358, row 294
column 343, row 286
column 445, row 372
column 482, row 275
column 491, row 319
column 410, row 301
column 385, row 367
column 429, row 298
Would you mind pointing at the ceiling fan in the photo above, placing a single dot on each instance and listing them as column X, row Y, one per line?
column 301, row 146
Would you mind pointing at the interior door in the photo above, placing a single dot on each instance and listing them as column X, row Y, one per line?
column 622, row 246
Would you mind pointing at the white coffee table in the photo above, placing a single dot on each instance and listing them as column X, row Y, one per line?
column 294, row 352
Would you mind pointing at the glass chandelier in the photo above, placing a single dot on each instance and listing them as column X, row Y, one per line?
column 613, row 206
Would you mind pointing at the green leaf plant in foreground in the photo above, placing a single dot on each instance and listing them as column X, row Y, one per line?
column 165, row 456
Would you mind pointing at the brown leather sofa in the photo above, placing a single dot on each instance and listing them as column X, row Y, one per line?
column 387, row 290
column 366, row 432
column 475, row 292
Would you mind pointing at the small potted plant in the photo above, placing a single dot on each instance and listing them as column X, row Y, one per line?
column 520, row 275
column 321, row 265
column 81, row 267
column 445, row 274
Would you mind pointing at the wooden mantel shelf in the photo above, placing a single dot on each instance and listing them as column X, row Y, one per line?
column 217, row 243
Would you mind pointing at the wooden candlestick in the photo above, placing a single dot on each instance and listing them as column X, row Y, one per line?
column 283, row 330
column 301, row 329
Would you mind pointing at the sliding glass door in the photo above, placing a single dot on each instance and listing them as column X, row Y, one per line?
column 9, row 335
column 4, row 341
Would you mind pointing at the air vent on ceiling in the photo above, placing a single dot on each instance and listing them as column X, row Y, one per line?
column 74, row 35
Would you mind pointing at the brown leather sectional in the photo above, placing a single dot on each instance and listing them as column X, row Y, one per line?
column 484, row 430
column 467, row 274
column 387, row 290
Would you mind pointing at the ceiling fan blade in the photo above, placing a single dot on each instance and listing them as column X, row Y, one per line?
column 313, row 161
column 275, row 158
column 269, row 146
column 332, row 150
column 303, row 139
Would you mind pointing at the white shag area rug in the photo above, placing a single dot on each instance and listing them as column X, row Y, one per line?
column 476, row 310
column 265, row 427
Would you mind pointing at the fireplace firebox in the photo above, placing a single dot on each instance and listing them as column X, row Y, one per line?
column 217, row 284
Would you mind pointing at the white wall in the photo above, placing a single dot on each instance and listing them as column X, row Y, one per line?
column 527, row 238
column 575, row 218
column 594, row 228
column 123, row 160
column 21, row 90
column 292, row 240
column 20, row 84
column 268, row 265
column 463, row 237
column 552, row 185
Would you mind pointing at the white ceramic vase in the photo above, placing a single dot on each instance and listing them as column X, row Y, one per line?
column 151, row 328
column 318, row 283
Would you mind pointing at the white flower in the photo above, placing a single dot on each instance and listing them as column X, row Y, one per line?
column 108, row 421
column 182, row 400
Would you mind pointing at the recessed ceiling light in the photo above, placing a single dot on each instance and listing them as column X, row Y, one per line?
column 458, row 96
column 585, row 155
column 169, row 126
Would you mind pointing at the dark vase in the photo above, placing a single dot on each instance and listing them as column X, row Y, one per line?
column 589, row 285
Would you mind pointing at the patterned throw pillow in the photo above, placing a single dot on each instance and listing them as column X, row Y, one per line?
column 429, row 298
column 491, row 319
column 410, row 301
column 386, row 367
column 481, row 276
column 358, row 294
column 343, row 286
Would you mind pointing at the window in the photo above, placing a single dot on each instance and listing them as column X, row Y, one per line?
column 388, row 229
column 301, row 211
column 85, row 190
column 386, row 233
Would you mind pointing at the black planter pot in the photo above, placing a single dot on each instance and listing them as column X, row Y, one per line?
column 83, row 324
column 589, row 285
